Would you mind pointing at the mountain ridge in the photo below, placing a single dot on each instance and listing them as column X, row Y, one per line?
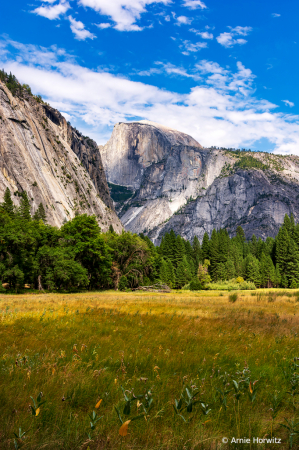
column 194, row 189
column 45, row 156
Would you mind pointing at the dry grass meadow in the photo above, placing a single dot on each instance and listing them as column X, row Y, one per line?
column 179, row 371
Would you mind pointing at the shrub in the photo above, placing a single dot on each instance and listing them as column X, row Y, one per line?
column 240, row 280
column 232, row 285
column 233, row 297
column 247, row 286
column 195, row 285
column 123, row 283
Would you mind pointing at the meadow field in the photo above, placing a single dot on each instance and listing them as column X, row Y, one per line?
column 121, row 370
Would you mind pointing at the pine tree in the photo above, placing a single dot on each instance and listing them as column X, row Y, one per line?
column 253, row 245
column 214, row 255
column 223, row 245
column 230, row 269
column 163, row 271
column 293, row 284
column 292, row 265
column 24, row 209
column 179, row 250
column 267, row 270
column 170, row 274
column 169, row 246
column 40, row 213
column 197, row 253
column 205, row 247
column 221, row 273
column 282, row 245
column 188, row 250
column 8, row 205
column 237, row 258
column 182, row 273
column 277, row 276
column 240, row 234
column 253, row 270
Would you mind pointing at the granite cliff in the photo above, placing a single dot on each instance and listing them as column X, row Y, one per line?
column 45, row 156
column 162, row 179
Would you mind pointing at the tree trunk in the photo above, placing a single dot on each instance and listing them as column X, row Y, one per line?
column 39, row 278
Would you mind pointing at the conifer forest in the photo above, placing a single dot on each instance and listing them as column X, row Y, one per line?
column 78, row 256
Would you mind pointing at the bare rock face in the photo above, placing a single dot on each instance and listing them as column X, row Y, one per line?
column 43, row 155
column 133, row 147
column 175, row 183
column 253, row 199
column 162, row 167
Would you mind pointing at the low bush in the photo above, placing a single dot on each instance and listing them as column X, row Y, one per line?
column 195, row 285
column 232, row 285
column 123, row 283
column 233, row 297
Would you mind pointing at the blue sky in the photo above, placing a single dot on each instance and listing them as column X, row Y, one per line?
column 225, row 72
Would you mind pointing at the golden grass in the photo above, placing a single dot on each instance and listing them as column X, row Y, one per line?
column 79, row 348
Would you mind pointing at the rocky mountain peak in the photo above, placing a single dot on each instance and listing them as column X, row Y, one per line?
column 42, row 154
column 161, row 179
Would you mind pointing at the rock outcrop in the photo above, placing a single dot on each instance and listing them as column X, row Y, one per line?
column 175, row 183
column 45, row 156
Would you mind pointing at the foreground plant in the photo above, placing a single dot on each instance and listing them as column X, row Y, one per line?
column 293, row 431
column 19, row 438
column 35, row 409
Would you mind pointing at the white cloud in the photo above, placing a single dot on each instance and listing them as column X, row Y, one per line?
column 275, row 15
column 206, row 67
column 227, row 39
column 221, row 110
column 52, row 12
column 123, row 12
column 194, row 4
column 183, row 20
column 79, row 31
column 189, row 46
column 243, row 31
column 203, row 34
column 103, row 25
column 288, row 103
column 149, row 72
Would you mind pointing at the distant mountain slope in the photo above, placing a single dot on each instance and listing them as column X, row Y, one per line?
column 162, row 179
column 44, row 155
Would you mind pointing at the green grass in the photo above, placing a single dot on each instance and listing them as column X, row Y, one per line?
column 80, row 348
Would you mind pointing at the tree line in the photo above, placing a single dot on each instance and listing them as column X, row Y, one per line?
column 80, row 256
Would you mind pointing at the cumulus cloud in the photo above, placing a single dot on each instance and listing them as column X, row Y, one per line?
column 194, row 4
column 221, row 110
column 103, row 25
column 275, row 15
column 203, row 34
column 79, row 31
column 52, row 12
column 192, row 47
column 288, row 103
column 229, row 39
column 123, row 12
column 183, row 20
